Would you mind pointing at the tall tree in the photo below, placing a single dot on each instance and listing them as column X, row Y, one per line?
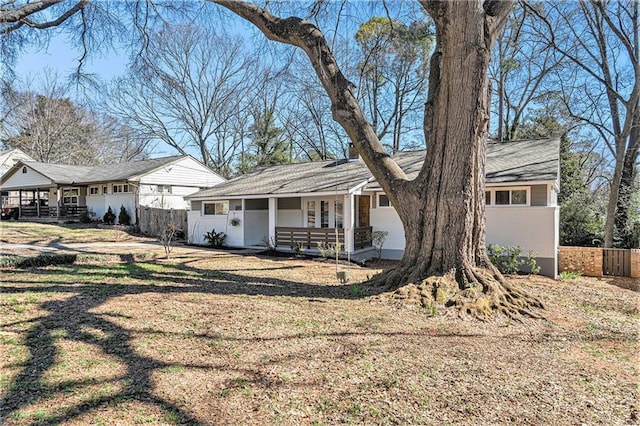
column 268, row 146
column 393, row 75
column 520, row 72
column 191, row 89
column 51, row 128
column 442, row 209
column 601, row 38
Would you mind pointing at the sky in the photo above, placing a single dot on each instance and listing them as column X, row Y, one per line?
column 61, row 57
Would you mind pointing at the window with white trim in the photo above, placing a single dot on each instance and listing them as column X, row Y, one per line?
column 383, row 201
column 122, row 188
column 164, row 189
column 339, row 215
column 518, row 196
column 94, row 190
column 105, row 189
column 215, row 209
column 311, row 214
column 70, row 196
column 324, row 214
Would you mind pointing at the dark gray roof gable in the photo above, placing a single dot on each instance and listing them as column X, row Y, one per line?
column 507, row 162
column 66, row 174
column 59, row 173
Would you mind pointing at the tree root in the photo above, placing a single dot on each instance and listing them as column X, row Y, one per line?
column 483, row 294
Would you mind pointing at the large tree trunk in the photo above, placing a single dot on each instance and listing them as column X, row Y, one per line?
column 627, row 185
column 442, row 210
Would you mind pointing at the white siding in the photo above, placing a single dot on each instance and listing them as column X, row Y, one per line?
column 289, row 218
column 186, row 172
column 386, row 219
column 532, row 228
column 31, row 179
column 116, row 200
column 200, row 225
column 256, row 227
column 97, row 204
column 235, row 234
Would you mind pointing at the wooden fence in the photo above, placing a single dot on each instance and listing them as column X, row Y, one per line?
column 616, row 262
column 151, row 221
column 597, row 262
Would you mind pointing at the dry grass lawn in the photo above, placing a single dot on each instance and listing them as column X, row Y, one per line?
column 215, row 337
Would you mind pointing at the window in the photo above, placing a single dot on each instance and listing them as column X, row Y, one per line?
column 383, row 201
column 511, row 197
column 120, row 188
column 487, row 197
column 338, row 213
column 217, row 208
column 24, row 170
column 519, row 197
column 502, row 198
column 311, row 214
column 94, row 190
column 324, row 214
column 164, row 189
column 70, row 196
column 105, row 189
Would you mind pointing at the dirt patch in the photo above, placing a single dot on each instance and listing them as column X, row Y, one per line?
column 216, row 337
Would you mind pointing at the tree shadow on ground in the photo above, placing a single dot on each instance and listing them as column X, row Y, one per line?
column 73, row 316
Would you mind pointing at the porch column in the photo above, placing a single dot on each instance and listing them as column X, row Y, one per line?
column 273, row 210
column 38, row 203
column 58, row 200
column 349, row 218
column 20, row 203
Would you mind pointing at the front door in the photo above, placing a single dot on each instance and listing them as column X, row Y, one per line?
column 364, row 206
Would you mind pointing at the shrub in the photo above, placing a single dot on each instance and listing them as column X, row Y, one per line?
column 377, row 239
column 215, row 239
column 109, row 218
column 570, row 275
column 329, row 250
column 507, row 259
column 299, row 247
column 87, row 216
column 123, row 217
column 532, row 263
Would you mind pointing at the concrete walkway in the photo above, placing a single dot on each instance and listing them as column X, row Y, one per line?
column 127, row 247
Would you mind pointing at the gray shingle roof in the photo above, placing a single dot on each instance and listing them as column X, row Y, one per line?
column 59, row 173
column 125, row 171
column 297, row 178
column 68, row 174
column 516, row 161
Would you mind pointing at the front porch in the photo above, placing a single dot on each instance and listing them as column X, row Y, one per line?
column 310, row 238
column 51, row 213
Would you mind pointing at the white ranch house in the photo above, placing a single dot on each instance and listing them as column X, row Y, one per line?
column 309, row 203
column 58, row 192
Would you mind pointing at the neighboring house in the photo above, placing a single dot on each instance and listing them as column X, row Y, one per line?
column 321, row 202
column 8, row 159
column 62, row 192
